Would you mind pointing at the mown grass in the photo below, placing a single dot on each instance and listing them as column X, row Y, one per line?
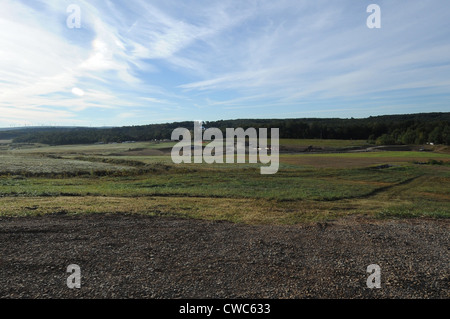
column 287, row 185
column 82, row 181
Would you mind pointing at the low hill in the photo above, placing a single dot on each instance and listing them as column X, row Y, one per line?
column 417, row 128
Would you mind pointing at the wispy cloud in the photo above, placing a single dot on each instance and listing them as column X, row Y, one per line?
column 217, row 59
column 308, row 59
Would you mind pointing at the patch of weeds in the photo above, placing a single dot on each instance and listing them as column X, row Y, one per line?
column 404, row 212
column 432, row 162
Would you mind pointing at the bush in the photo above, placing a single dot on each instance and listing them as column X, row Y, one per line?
column 385, row 139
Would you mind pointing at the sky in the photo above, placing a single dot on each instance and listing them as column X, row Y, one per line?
column 136, row 62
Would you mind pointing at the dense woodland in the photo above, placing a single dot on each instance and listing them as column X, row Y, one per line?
column 381, row 130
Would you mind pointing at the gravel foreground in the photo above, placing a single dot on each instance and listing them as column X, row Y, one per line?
column 130, row 256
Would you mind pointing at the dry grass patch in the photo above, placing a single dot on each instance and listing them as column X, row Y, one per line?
column 248, row 211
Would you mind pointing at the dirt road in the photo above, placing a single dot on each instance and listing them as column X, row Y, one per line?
column 130, row 256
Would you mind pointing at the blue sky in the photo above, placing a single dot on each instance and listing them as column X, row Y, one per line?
column 139, row 62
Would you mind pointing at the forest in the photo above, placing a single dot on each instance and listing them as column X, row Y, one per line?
column 419, row 128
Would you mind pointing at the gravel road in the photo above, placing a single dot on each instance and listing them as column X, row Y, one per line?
column 130, row 256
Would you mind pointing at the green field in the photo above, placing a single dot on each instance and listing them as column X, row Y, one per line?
column 322, row 143
column 141, row 178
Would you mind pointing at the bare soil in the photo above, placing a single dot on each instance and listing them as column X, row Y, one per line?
column 134, row 256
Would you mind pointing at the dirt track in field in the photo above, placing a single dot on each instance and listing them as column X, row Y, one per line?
column 131, row 256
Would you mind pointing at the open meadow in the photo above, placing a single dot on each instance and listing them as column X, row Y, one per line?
column 328, row 183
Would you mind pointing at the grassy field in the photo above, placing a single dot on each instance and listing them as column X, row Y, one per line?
column 322, row 143
column 141, row 178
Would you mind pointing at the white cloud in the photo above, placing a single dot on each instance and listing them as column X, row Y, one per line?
column 78, row 92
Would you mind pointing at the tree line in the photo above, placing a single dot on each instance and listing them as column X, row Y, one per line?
column 382, row 130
